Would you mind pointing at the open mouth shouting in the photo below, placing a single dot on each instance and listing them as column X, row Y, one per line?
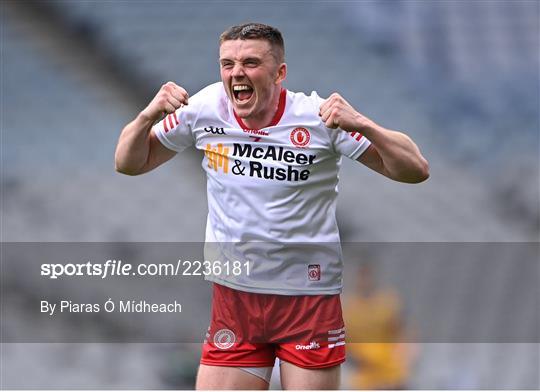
column 242, row 93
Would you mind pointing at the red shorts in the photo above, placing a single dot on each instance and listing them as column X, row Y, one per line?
column 251, row 330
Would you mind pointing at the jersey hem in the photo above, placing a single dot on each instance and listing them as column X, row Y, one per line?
column 250, row 289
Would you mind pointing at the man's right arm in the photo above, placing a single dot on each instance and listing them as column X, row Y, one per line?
column 138, row 150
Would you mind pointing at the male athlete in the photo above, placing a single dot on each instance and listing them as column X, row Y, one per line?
column 271, row 157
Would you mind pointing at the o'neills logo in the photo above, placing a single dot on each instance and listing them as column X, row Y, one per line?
column 300, row 137
column 256, row 132
column 224, row 339
column 311, row 346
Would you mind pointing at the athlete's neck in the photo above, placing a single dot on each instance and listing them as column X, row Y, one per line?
column 265, row 119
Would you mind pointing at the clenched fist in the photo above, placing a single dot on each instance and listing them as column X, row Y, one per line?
column 169, row 98
column 336, row 112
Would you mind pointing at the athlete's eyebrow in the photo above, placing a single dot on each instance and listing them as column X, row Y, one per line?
column 252, row 59
column 244, row 60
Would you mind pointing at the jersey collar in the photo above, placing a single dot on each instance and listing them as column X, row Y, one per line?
column 277, row 116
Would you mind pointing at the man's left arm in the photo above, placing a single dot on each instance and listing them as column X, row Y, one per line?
column 391, row 153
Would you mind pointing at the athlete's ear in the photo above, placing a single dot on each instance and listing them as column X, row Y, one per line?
column 282, row 73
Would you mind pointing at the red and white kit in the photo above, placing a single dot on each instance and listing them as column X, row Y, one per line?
column 271, row 203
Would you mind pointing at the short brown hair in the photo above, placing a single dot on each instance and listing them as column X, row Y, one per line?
column 257, row 31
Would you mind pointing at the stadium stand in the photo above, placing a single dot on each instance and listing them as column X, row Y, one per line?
column 462, row 78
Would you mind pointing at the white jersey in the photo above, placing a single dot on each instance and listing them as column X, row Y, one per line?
column 271, row 192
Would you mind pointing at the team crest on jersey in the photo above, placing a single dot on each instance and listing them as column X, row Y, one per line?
column 300, row 137
column 224, row 339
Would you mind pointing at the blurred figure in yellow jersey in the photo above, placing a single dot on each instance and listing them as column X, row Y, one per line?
column 378, row 345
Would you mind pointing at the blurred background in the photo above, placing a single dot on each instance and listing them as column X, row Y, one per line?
column 461, row 78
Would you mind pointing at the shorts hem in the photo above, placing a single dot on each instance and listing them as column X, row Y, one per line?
column 316, row 366
column 236, row 363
